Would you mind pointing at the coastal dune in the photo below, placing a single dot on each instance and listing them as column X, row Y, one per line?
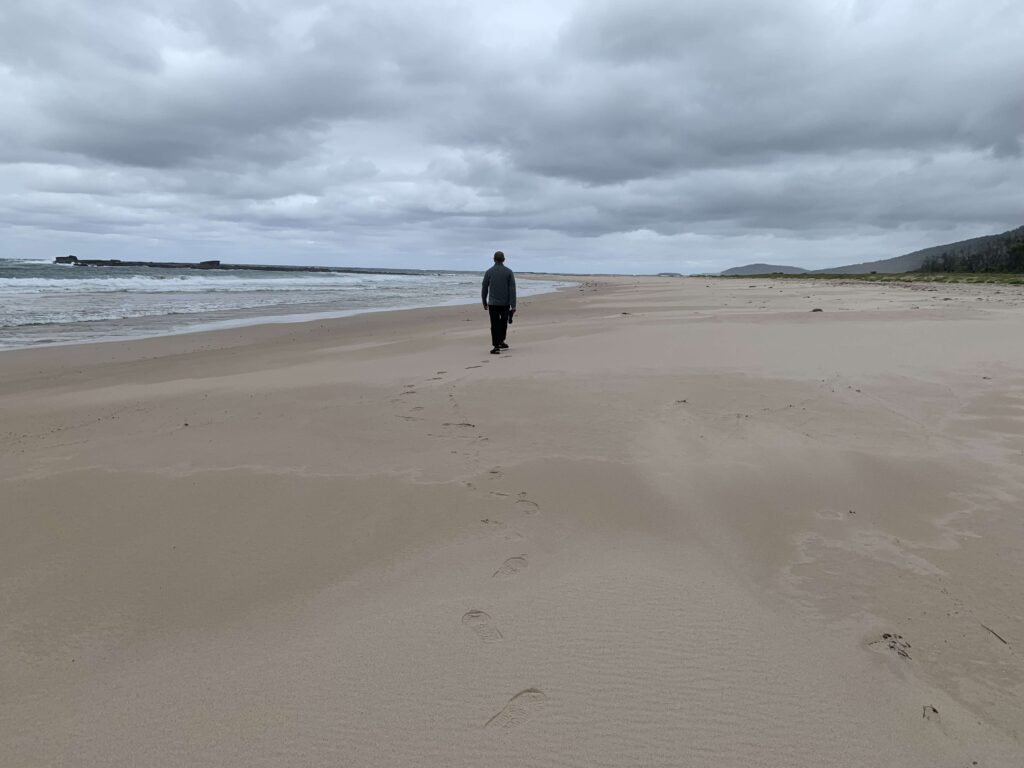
column 681, row 522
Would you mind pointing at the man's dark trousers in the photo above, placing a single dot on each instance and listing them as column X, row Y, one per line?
column 499, row 324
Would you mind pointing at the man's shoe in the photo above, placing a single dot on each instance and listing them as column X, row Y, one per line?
column 495, row 351
column 503, row 345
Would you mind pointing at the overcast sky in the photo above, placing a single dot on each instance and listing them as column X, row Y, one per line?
column 604, row 136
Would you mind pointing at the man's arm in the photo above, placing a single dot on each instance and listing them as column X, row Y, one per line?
column 512, row 291
column 487, row 284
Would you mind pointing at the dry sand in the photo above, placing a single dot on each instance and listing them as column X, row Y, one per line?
column 682, row 523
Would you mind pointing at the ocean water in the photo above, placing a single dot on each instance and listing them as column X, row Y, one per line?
column 45, row 303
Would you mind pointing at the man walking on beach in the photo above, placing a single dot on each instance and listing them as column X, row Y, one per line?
column 499, row 297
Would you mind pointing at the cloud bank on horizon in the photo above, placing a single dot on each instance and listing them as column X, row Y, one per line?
column 610, row 135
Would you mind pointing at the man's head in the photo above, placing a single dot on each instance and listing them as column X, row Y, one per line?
column 499, row 257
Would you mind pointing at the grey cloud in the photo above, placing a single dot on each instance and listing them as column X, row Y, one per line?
column 649, row 88
column 609, row 128
column 222, row 83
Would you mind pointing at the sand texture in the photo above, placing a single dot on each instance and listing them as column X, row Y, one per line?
column 682, row 522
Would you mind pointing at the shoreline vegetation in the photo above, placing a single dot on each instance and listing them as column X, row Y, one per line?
column 1006, row 278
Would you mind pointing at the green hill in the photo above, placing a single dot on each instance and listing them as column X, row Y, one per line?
column 911, row 262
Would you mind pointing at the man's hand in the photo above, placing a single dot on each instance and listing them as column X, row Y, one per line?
column 485, row 306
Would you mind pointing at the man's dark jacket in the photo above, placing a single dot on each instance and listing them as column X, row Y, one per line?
column 499, row 287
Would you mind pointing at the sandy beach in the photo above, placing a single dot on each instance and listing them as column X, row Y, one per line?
column 682, row 522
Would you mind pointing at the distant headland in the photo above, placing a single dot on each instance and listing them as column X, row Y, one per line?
column 218, row 265
column 990, row 253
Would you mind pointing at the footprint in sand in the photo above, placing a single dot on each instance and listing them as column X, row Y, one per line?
column 511, row 567
column 482, row 626
column 895, row 643
column 530, row 507
column 497, row 525
column 520, row 708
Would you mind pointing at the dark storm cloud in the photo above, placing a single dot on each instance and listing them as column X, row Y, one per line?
column 647, row 132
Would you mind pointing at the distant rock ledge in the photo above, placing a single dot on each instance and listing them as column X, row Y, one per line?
column 74, row 260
